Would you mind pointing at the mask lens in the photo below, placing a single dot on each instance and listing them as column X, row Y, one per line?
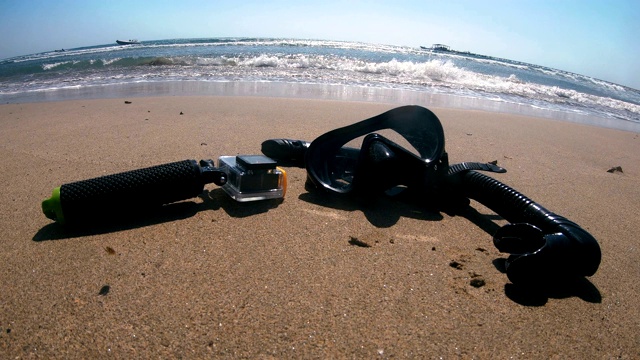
column 332, row 166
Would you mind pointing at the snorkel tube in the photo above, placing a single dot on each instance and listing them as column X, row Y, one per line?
column 543, row 246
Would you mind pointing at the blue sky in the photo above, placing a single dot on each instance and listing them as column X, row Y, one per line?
column 589, row 37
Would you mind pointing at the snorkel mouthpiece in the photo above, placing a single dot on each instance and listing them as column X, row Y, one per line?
column 537, row 258
column 544, row 247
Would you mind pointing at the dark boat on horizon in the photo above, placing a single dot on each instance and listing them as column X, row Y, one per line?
column 127, row 42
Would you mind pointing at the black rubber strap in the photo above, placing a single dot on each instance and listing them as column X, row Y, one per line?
column 465, row 166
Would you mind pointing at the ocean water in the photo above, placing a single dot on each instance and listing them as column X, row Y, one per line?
column 315, row 68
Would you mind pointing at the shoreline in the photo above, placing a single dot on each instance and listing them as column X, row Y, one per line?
column 313, row 92
column 209, row 277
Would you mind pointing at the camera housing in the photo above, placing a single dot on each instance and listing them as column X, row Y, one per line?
column 252, row 177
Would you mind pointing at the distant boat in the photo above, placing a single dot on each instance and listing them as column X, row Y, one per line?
column 438, row 47
column 128, row 42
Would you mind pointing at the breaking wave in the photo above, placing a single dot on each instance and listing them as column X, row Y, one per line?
column 320, row 62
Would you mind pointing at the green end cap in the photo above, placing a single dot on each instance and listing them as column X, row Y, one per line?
column 52, row 208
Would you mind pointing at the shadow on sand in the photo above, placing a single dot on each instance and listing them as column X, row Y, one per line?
column 211, row 200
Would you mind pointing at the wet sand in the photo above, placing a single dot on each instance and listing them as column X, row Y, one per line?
column 212, row 277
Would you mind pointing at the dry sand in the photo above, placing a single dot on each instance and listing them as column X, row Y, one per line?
column 217, row 278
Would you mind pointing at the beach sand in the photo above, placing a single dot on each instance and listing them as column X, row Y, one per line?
column 211, row 277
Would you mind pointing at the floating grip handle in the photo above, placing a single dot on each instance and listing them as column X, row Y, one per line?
column 124, row 193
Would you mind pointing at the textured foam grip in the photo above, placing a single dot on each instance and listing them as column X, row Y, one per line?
column 125, row 193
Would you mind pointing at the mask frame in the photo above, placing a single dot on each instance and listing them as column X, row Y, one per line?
column 380, row 163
